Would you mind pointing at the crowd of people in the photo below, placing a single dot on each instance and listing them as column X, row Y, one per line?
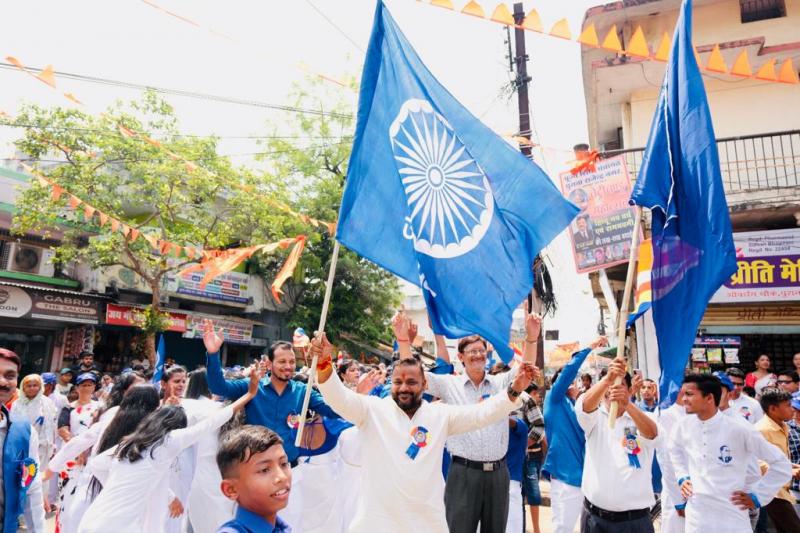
column 460, row 446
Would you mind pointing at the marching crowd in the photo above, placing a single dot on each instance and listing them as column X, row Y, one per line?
column 405, row 448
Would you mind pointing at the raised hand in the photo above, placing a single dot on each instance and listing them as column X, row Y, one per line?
column 527, row 373
column 400, row 325
column 369, row 381
column 212, row 339
column 256, row 374
column 616, row 369
column 599, row 342
column 636, row 383
column 412, row 331
column 533, row 326
column 322, row 348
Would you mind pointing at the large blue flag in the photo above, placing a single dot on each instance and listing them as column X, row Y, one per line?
column 437, row 198
column 161, row 358
column 680, row 182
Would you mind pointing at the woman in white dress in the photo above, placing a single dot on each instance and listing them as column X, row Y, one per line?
column 135, row 474
column 33, row 406
column 173, row 386
column 208, row 507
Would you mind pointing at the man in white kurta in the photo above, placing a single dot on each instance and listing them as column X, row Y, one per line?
column 710, row 453
column 403, row 439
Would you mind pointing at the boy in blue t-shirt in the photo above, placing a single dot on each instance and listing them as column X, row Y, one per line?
column 257, row 475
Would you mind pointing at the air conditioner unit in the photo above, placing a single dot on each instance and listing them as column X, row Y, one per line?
column 28, row 259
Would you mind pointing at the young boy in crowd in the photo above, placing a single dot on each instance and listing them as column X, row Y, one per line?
column 257, row 475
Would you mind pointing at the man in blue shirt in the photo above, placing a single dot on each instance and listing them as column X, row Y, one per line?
column 279, row 401
column 567, row 444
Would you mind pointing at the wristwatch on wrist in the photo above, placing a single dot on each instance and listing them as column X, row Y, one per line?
column 514, row 394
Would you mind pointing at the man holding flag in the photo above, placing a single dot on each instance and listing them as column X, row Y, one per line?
column 680, row 181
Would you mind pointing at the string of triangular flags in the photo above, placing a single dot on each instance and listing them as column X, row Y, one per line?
column 47, row 76
column 215, row 262
column 637, row 46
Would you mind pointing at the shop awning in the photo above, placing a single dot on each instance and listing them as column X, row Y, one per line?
column 52, row 289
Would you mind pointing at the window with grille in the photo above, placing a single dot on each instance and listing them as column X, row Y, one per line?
column 753, row 10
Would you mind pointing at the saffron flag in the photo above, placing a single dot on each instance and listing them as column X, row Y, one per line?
column 644, row 293
column 680, row 181
column 437, row 198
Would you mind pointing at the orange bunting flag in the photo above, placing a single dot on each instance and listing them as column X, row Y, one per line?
column 716, row 63
column 88, row 212
column 74, row 201
column 47, row 76
column 561, row 29
column 662, row 54
column 103, row 218
column 741, row 67
column 473, row 8
column 114, row 225
column 589, row 36
column 288, row 268
column 153, row 142
column 163, row 247
column 189, row 252
column 71, row 97
column 767, row 71
column 638, row 44
column 229, row 260
column 502, row 15
column 447, row 4
column 191, row 167
column 126, row 230
column 331, row 228
column 611, row 42
column 16, row 62
column 152, row 239
column 57, row 191
column 126, row 132
column 787, row 73
column 134, row 234
column 533, row 22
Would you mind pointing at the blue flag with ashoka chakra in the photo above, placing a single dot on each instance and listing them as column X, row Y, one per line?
column 439, row 199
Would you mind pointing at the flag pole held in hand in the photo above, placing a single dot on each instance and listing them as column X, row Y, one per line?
column 624, row 305
column 312, row 375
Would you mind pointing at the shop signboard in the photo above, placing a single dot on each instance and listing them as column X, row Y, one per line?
column 769, row 268
column 16, row 302
column 233, row 331
column 121, row 315
column 601, row 233
column 231, row 287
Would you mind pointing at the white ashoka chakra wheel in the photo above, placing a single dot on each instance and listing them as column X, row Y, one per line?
column 449, row 199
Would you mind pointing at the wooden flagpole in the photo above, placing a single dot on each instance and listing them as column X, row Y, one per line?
column 312, row 375
column 622, row 320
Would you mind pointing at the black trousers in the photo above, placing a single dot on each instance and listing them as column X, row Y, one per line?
column 472, row 496
column 591, row 523
column 783, row 516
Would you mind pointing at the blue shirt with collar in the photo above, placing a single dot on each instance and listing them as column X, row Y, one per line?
column 249, row 522
column 277, row 412
column 566, row 443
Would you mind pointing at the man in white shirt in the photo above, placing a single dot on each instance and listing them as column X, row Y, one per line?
column 710, row 454
column 403, row 440
column 747, row 407
column 673, row 504
column 617, row 479
column 477, row 487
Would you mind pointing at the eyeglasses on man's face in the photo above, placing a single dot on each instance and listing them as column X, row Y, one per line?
column 477, row 351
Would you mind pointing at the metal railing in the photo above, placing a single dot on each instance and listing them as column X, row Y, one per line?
column 749, row 163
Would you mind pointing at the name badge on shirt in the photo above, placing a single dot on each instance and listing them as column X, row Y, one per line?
column 293, row 421
column 29, row 469
column 725, row 457
column 631, row 445
column 419, row 439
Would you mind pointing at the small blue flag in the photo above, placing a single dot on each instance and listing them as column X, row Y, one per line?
column 161, row 357
column 680, row 181
column 437, row 198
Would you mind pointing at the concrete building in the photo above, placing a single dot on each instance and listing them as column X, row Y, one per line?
column 757, row 124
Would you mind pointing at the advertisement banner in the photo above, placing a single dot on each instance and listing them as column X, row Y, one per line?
column 601, row 233
column 233, row 331
column 121, row 315
column 769, row 268
column 16, row 302
column 231, row 287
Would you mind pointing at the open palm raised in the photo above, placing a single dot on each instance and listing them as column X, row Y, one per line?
column 212, row 339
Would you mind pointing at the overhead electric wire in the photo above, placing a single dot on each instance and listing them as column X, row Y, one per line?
column 180, row 92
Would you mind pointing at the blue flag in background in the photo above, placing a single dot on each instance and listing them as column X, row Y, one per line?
column 161, row 357
column 680, row 181
column 437, row 198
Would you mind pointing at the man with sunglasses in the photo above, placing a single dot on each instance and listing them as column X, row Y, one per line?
column 478, row 480
column 789, row 381
column 747, row 407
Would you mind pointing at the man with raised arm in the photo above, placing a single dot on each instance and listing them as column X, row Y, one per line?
column 403, row 439
column 478, row 478
column 279, row 400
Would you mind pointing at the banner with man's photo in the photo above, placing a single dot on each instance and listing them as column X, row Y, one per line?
column 601, row 233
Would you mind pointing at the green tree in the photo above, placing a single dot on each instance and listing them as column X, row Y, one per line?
column 205, row 203
column 312, row 165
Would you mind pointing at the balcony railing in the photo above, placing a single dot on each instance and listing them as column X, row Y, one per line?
column 749, row 163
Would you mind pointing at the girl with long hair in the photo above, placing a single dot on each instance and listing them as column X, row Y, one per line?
column 139, row 468
column 139, row 401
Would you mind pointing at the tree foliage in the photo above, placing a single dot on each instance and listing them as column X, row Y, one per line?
column 313, row 166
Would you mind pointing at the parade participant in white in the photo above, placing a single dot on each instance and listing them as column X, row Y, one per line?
column 673, row 504
column 748, row 408
column 403, row 440
column 33, row 406
column 138, row 469
column 617, row 479
column 710, row 454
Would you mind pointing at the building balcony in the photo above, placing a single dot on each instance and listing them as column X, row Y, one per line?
column 758, row 171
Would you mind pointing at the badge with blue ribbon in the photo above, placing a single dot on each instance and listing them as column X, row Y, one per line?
column 29, row 471
column 419, row 439
column 631, row 445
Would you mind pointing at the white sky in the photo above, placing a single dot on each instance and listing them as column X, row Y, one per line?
column 130, row 41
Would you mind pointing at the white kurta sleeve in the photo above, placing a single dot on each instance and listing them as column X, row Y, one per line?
column 76, row 446
column 464, row 418
column 436, row 384
column 350, row 405
column 677, row 454
column 34, row 501
column 587, row 421
column 779, row 472
column 179, row 439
